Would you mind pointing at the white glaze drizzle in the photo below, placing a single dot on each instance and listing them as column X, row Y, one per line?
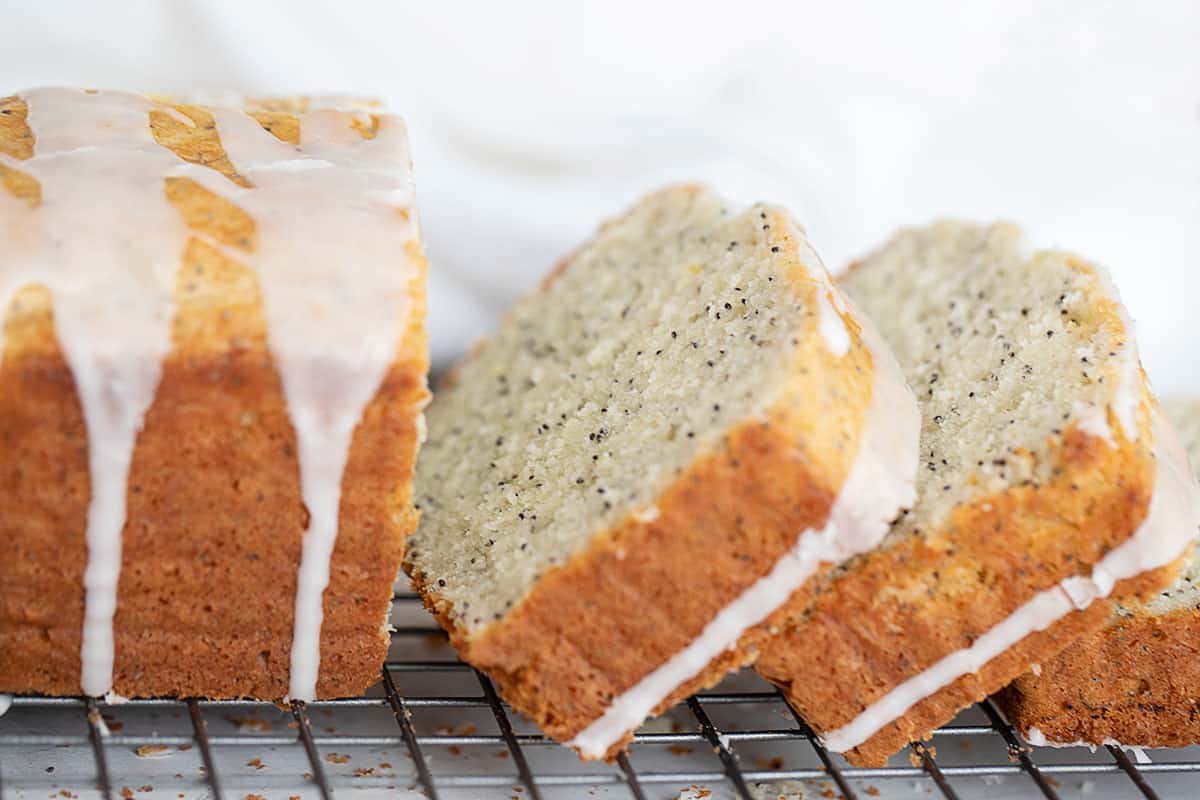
column 1093, row 419
column 113, row 283
column 831, row 304
column 881, row 481
column 1168, row 529
column 646, row 515
column 832, row 328
column 331, row 252
column 1038, row 739
column 332, row 338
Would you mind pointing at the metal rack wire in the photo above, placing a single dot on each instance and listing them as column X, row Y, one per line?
column 722, row 764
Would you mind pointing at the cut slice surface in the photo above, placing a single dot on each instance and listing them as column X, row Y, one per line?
column 1004, row 349
column 594, row 396
column 642, row 442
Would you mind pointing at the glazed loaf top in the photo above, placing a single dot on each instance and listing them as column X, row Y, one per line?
column 102, row 193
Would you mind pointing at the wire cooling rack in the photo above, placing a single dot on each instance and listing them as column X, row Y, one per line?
column 436, row 728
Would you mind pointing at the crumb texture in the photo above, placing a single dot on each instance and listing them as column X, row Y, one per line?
column 675, row 324
column 1003, row 349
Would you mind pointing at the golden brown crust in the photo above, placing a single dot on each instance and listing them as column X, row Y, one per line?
column 895, row 611
column 212, row 541
column 377, row 514
column 41, row 579
column 1137, row 681
column 284, row 127
column 198, row 143
column 643, row 591
column 209, row 213
column 21, row 185
column 16, row 140
column 215, row 516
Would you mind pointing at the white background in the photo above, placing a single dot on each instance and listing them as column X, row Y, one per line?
column 533, row 121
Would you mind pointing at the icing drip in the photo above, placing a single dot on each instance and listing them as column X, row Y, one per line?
column 831, row 304
column 1038, row 739
column 332, row 338
column 1168, row 529
column 1093, row 420
column 96, row 160
column 881, row 481
column 334, row 235
column 832, row 328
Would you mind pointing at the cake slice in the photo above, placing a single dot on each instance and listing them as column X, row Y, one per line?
column 1037, row 499
column 1137, row 681
column 656, row 449
column 211, row 380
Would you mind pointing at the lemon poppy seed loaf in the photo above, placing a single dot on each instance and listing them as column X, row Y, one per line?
column 1037, row 499
column 655, row 450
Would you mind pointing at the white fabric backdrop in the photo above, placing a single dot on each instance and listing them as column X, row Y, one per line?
column 531, row 121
